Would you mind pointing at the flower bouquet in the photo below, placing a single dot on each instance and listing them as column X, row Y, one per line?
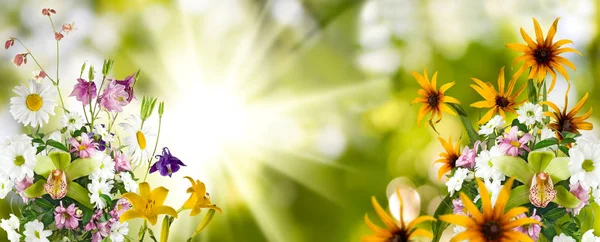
column 77, row 182
column 527, row 178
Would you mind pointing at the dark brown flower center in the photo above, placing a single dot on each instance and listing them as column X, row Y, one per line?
column 502, row 101
column 453, row 159
column 400, row 236
column 491, row 230
column 433, row 100
column 542, row 55
column 566, row 126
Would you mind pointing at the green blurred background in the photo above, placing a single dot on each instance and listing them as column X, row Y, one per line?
column 295, row 112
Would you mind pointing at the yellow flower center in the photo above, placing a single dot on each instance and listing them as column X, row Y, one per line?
column 37, row 234
column 588, row 165
column 515, row 144
column 149, row 206
column 19, row 160
column 82, row 147
column 34, row 102
column 141, row 139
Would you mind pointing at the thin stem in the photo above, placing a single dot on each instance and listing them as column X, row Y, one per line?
column 57, row 65
column 112, row 123
column 155, row 146
column 34, row 59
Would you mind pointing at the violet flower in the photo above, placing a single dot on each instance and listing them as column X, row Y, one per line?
column 83, row 90
column 512, row 145
column 114, row 97
column 467, row 159
column 66, row 217
column 127, row 83
column 532, row 230
column 85, row 148
column 167, row 164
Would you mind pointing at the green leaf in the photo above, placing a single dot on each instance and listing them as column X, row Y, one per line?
column 207, row 218
column 81, row 167
column 565, row 198
column 87, row 215
column 518, row 196
column 43, row 203
column 107, row 200
column 44, row 166
column 60, row 159
column 545, row 143
column 531, row 92
column 39, row 149
column 548, row 230
column 554, row 214
column 35, row 190
column 79, row 194
column 48, row 218
column 464, row 118
column 57, row 145
column 538, row 160
column 37, row 140
column 565, row 150
column 558, row 169
column 439, row 226
column 516, row 167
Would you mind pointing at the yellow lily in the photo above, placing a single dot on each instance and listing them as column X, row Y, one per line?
column 199, row 198
column 148, row 204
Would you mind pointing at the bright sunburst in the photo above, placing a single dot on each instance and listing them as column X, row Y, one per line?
column 224, row 79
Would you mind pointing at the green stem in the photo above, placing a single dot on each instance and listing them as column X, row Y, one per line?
column 34, row 59
column 531, row 91
column 155, row 146
column 473, row 136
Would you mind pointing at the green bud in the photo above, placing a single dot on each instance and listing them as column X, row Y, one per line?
column 82, row 69
column 91, row 73
column 161, row 109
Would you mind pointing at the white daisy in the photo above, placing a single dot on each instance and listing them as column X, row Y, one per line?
column 494, row 123
column 530, row 114
column 97, row 188
column 72, row 121
column 35, row 103
column 106, row 169
column 17, row 139
column 596, row 194
column 455, row 182
column 6, row 185
column 99, row 129
column 118, row 231
column 11, row 226
column 138, row 140
column 130, row 184
column 34, row 232
column 483, row 165
column 563, row 238
column 584, row 164
column 18, row 160
column 589, row 237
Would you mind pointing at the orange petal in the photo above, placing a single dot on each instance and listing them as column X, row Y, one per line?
column 538, row 31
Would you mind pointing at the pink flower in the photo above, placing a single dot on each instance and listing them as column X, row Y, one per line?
column 128, row 84
column 22, row 185
column 103, row 231
column 458, row 206
column 68, row 27
column 92, row 224
column 121, row 162
column 512, row 145
column 39, row 75
column 467, row 159
column 66, row 217
column 10, row 42
column 48, row 11
column 582, row 194
column 84, row 91
column 58, row 36
column 114, row 97
column 20, row 59
column 85, row 148
column 121, row 207
column 532, row 230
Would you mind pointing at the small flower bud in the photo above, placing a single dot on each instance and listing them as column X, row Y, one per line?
column 10, row 42
column 20, row 59
column 58, row 36
column 48, row 11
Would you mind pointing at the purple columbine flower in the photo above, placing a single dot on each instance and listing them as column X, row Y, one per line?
column 167, row 164
column 512, row 145
column 127, row 83
column 66, row 217
column 83, row 90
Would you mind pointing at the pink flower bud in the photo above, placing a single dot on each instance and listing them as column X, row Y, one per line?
column 58, row 36
column 48, row 11
column 20, row 59
column 10, row 42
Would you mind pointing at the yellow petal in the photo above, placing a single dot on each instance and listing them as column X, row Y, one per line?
column 385, row 218
column 135, row 200
column 144, row 190
column 518, row 47
column 376, row 229
column 513, row 212
column 490, row 113
column 471, row 208
column 501, row 82
column 460, row 220
column 565, row 61
column 560, row 43
column 521, row 222
column 538, row 31
column 420, row 233
column 579, row 105
column 159, row 194
column 563, row 50
column 165, row 210
column 502, row 199
column 482, row 104
column 466, row 235
column 446, row 86
column 419, row 220
column 552, row 32
column 527, row 39
column 485, row 200
column 130, row 214
column 449, row 99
